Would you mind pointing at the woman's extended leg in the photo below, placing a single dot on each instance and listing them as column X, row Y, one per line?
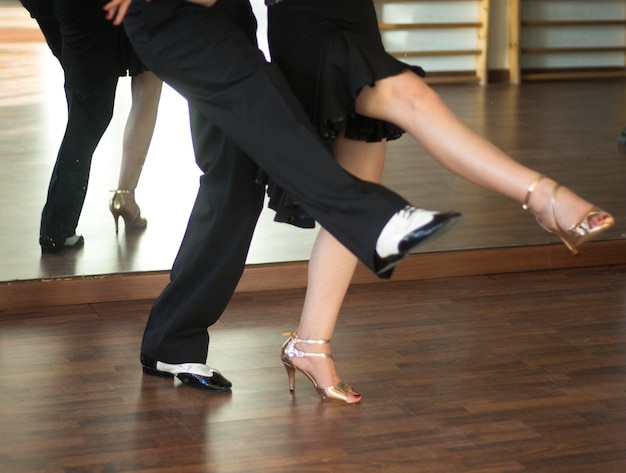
column 407, row 101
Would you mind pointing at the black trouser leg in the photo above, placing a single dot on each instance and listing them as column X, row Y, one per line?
column 88, row 117
column 85, row 43
column 212, row 256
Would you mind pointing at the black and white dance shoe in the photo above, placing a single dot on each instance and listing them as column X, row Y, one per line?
column 197, row 375
column 54, row 245
column 405, row 230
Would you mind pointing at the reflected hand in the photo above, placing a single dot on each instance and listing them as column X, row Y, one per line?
column 206, row 3
column 116, row 10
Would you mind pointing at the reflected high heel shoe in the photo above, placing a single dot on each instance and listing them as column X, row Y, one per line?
column 593, row 223
column 118, row 209
column 337, row 392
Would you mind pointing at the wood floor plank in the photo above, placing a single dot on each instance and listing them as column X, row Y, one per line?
column 518, row 372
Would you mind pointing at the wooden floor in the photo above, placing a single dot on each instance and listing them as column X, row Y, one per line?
column 520, row 372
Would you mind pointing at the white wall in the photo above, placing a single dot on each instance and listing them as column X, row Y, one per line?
column 498, row 57
column 261, row 16
column 572, row 36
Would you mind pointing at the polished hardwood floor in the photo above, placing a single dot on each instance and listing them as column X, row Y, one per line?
column 521, row 372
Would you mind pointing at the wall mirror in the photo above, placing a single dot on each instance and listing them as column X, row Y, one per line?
column 567, row 130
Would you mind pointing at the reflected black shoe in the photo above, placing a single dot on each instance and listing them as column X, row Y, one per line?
column 52, row 245
column 405, row 230
column 197, row 375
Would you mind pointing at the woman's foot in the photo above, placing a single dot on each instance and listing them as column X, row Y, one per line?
column 314, row 360
column 123, row 205
column 564, row 214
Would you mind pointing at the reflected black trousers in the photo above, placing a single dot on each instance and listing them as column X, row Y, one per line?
column 85, row 44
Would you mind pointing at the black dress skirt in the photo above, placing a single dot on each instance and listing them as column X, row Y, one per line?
column 329, row 50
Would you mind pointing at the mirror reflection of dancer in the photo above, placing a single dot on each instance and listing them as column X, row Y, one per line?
column 352, row 90
column 243, row 114
column 93, row 54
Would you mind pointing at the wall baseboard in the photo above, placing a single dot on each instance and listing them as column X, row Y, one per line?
column 293, row 275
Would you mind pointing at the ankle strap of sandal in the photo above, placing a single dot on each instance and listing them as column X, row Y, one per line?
column 295, row 339
column 530, row 190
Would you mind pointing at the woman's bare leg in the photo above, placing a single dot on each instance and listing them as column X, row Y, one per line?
column 146, row 93
column 331, row 268
column 410, row 103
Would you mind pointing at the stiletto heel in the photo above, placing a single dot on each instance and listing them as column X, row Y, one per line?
column 118, row 209
column 578, row 233
column 116, row 217
column 289, row 351
column 291, row 374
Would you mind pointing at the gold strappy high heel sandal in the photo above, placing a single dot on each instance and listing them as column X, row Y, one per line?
column 117, row 206
column 579, row 233
column 289, row 351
